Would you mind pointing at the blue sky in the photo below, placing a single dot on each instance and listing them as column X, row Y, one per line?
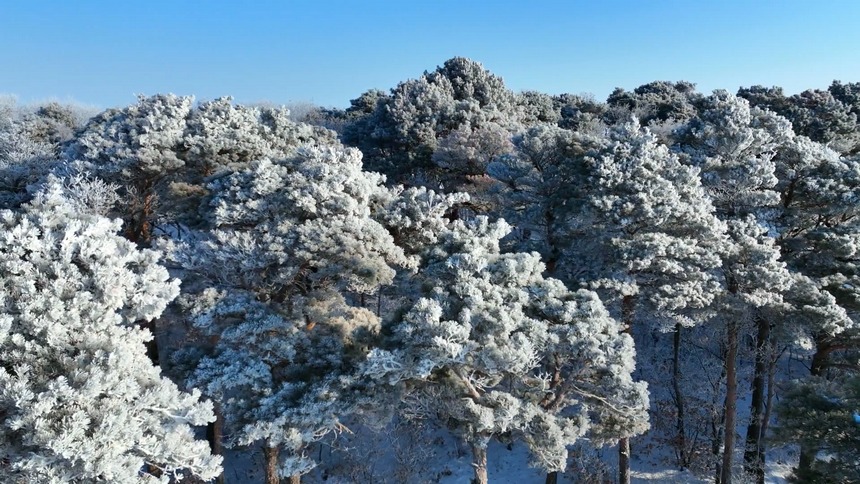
column 328, row 52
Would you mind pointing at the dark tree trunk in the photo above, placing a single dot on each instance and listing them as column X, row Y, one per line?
column 718, row 424
column 731, row 401
column 553, row 255
column 152, row 345
column 215, row 434
column 624, row 461
column 139, row 227
column 679, row 398
column 479, row 462
column 754, row 446
column 819, row 363
column 271, row 455
column 551, row 478
column 771, row 388
column 628, row 308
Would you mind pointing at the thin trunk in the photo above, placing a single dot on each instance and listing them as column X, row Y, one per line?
column 553, row 256
column 718, row 424
column 679, row 397
column 152, row 345
column 717, row 430
column 819, row 359
column 624, row 461
column 771, row 389
column 551, row 478
column 754, row 446
column 271, row 455
column 479, row 461
column 215, row 434
column 296, row 479
column 379, row 302
column 731, row 401
column 628, row 307
column 819, row 363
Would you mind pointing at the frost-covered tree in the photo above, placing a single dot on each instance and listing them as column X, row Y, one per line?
column 820, row 240
column 79, row 399
column 847, row 93
column 539, row 181
column 221, row 135
column 406, row 126
column 734, row 145
column 24, row 162
column 580, row 113
column 770, row 98
column 295, row 243
column 468, row 150
column 30, row 146
column 657, row 101
column 816, row 114
column 652, row 241
column 536, row 108
column 162, row 147
column 494, row 348
column 137, row 147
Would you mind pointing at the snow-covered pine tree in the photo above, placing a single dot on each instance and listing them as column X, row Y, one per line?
column 79, row 399
column 495, row 348
column 734, row 146
column 539, row 180
column 295, row 243
column 649, row 239
column 136, row 147
column 820, row 241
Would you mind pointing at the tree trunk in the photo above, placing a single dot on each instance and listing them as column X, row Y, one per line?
column 731, row 401
column 551, row 478
column 271, row 455
column 628, row 307
column 296, row 479
column 754, row 446
column 819, row 362
column 771, row 388
column 152, row 345
column 679, row 398
column 215, row 434
column 718, row 424
column 479, row 461
column 624, row 461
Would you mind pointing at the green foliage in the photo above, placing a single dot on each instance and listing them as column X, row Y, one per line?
column 826, row 415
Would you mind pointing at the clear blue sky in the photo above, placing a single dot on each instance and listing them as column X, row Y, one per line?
column 328, row 52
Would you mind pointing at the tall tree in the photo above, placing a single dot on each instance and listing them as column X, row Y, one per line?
column 79, row 399
column 653, row 241
column 820, row 240
column 734, row 145
column 295, row 244
column 495, row 348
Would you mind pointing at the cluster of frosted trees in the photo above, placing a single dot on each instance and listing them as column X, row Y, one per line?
column 447, row 251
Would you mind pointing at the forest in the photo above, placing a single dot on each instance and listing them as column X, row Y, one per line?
column 206, row 291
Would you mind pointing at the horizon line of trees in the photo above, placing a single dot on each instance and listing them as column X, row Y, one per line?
column 450, row 251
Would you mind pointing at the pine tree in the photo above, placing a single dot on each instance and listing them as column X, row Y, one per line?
column 494, row 348
column 734, row 146
column 295, row 245
column 652, row 240
column 79, row 399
